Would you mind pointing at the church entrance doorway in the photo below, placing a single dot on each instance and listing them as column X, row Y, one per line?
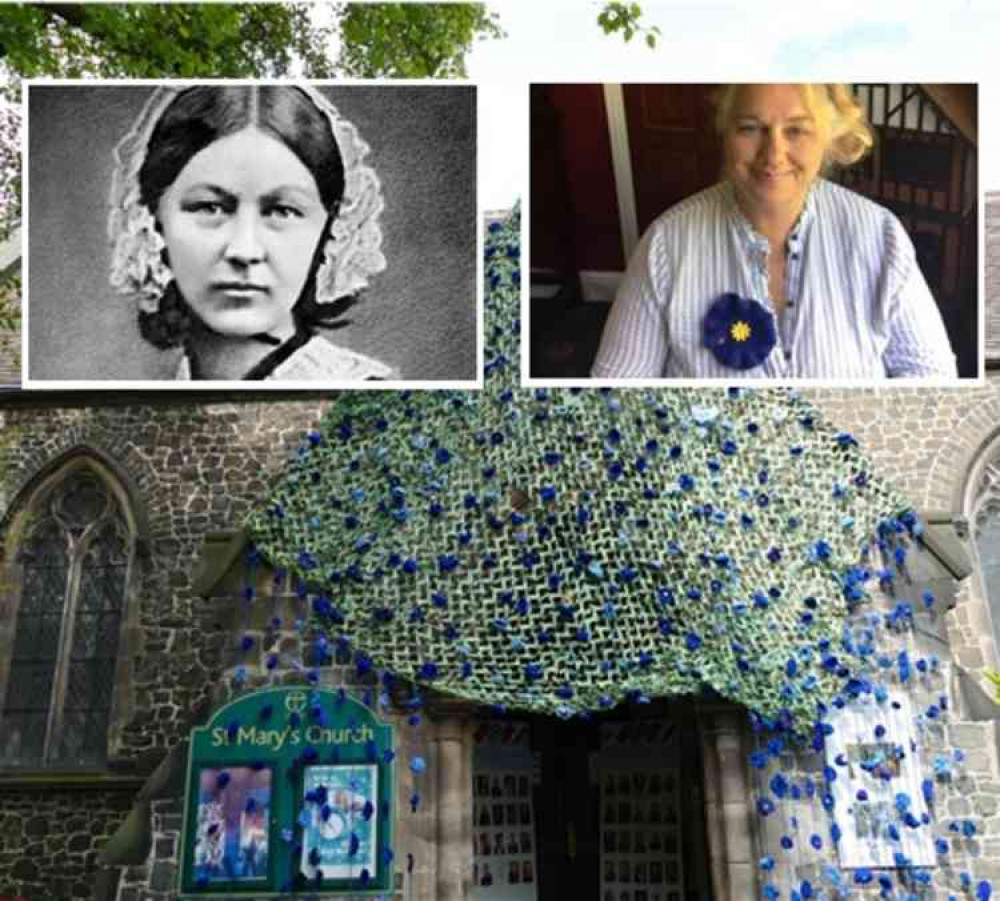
column 613, row 810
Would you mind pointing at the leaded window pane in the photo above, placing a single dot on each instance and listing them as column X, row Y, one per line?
column 61, row 677
column 83, row 501
column 45, row 559
column 23, row 738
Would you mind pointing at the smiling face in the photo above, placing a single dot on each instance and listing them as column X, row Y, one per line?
column 241, row 223
column 773, row 147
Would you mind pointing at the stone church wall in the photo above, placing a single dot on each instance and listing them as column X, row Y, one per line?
column 195, row 469
column 198, row 467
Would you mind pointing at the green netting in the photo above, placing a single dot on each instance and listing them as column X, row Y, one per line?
column 560, row 550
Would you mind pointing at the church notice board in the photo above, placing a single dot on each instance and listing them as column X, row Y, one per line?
column 289, row 789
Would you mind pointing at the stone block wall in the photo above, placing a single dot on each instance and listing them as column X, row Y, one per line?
column 991, row 303
column 966, row 790
column 927, row 441
column 50, row 838
column 195, row 469
column 971, row 796
column 156, row 880
column 198, row 467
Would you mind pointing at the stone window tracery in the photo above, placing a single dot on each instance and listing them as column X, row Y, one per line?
column 984, row 525
column 72, row 565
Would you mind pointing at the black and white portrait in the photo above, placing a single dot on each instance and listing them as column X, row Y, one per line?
column 222, row 232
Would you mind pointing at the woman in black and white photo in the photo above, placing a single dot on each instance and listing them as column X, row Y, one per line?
column 232, row 226
column 246, row 238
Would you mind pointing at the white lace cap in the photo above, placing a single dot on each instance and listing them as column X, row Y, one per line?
column 353, row 245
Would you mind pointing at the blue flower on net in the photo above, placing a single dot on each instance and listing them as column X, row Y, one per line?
column 779, row 785
column 428, row 671
column 765, row 806
column 862, row 876
column 740, row 332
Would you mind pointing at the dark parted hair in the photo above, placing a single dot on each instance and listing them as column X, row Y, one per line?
column 199, row 116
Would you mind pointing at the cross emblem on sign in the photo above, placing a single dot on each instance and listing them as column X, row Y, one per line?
column 295, row 701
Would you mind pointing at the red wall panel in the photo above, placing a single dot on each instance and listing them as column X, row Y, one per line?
column 574, row 203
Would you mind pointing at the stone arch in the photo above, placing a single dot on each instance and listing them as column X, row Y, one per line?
column 949, row 494
column 976, row 507
column 949, row 471
column 32, row 480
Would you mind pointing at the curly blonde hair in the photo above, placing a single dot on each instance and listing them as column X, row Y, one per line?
column 836, row 111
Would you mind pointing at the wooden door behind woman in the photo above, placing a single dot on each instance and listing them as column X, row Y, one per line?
column 674, row 147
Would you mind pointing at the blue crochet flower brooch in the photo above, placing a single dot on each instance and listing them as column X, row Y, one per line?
column 739, row 331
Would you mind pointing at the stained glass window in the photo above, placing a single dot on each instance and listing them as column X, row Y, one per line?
column 73, row 561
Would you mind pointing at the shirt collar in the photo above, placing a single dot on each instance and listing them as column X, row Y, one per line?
column 753, row 240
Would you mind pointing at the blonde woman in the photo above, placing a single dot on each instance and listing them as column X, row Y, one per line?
column 776, row 272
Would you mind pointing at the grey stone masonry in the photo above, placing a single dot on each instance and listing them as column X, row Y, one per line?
column 197, row 468
column 949, row 764
column 50, row 838
column 991, row 302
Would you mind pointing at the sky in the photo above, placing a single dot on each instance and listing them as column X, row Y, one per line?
column 723, row 41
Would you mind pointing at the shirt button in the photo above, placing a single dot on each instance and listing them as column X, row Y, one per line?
column 791, row 303
column 794, row 255
column 788, row 354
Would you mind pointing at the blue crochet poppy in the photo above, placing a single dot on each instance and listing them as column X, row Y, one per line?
column 739, row 331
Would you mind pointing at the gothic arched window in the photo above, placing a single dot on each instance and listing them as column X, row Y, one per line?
column 983, row 504
column 71, row 563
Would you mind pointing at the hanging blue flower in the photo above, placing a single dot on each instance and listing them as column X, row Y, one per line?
column 765, row 806
column 739, row 331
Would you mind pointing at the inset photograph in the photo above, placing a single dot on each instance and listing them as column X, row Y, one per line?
column 239, row 234
column 783, row 232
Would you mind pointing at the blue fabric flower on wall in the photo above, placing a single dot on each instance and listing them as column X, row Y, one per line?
column 739, row 331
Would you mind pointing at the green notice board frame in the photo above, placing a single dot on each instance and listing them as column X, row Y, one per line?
column 289, row 789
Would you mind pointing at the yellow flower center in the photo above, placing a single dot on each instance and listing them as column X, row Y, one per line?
column 740, row 331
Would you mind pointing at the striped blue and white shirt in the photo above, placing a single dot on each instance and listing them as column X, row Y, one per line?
column 857, row 304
